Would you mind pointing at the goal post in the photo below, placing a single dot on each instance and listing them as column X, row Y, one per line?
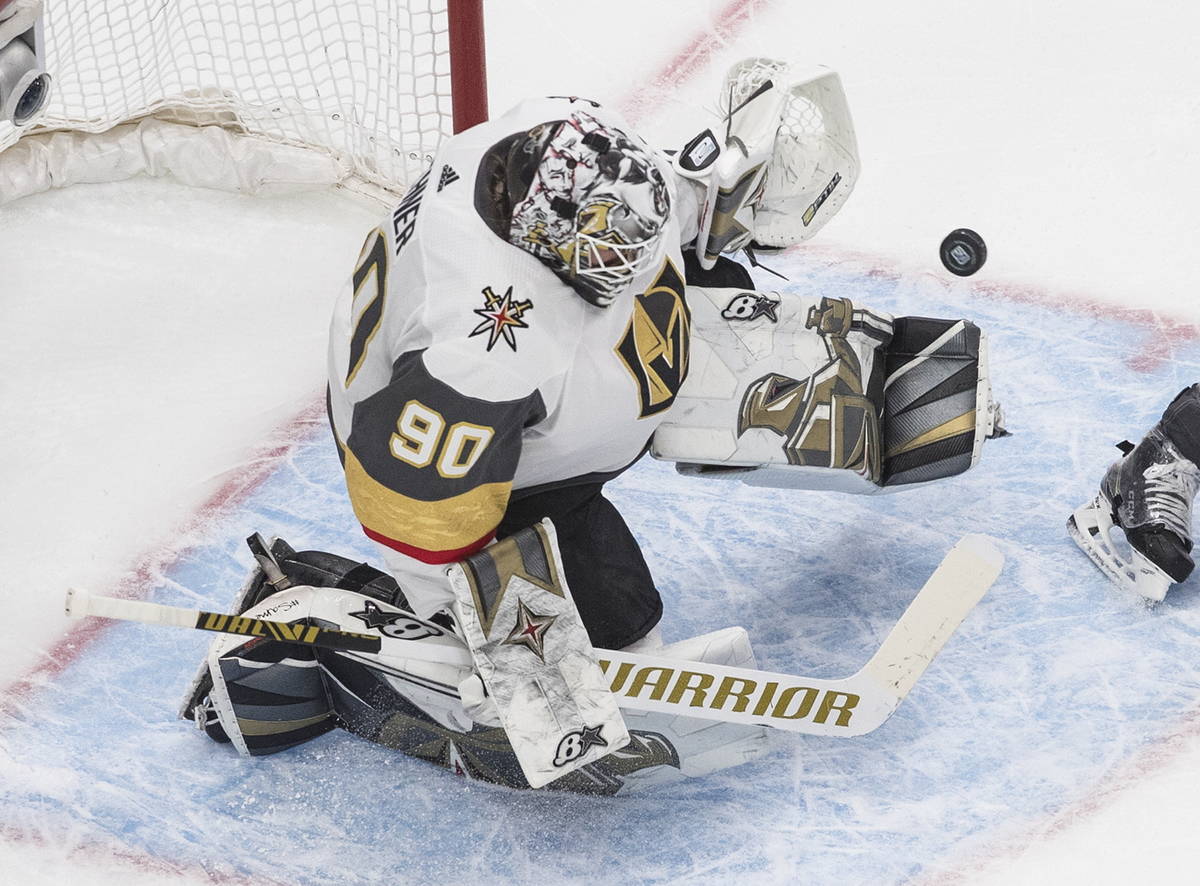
column 366, row 88
column 468, row 67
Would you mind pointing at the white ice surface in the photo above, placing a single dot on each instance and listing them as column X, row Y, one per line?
column 1146, row 831
column 151, row 334
column 154, row 336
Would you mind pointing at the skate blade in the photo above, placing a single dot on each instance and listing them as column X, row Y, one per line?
column 1091, row 528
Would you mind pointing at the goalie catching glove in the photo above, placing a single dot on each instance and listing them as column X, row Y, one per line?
column 782, row 162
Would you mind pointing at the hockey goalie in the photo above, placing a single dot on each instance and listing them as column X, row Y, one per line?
column 553, row 299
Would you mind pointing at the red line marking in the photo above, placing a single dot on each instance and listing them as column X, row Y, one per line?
column 238, row 487
column 1125, row 775
column 1164, row 333
column 692, row 59
column 91, row 852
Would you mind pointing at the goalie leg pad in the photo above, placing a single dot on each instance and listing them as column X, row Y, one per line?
column 687, row 747
column 611, row 584
column 313, row 568
column 532, row 652
column 267, row 697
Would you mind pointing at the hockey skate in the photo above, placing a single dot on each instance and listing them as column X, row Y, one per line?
column 1147, row 494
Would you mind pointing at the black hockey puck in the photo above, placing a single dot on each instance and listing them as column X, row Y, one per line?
column 963, row 252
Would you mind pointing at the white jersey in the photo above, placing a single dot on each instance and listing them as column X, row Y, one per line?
column 461, row 369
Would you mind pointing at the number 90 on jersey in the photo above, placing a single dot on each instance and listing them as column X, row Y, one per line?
column 422, row 438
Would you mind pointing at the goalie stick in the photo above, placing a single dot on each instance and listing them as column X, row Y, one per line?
column 81, row 604
column 845, row 707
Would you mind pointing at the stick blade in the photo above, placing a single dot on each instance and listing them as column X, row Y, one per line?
column 956, row 586
column 984, row 549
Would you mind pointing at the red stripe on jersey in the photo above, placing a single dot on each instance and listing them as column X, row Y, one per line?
column 432, row 557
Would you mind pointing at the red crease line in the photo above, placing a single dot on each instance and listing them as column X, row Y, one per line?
column 238, row 487
column 693, row 58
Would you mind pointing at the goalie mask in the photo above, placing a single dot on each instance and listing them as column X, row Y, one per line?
column 589, row 202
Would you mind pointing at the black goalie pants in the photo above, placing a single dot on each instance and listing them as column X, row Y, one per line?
column 605, row 569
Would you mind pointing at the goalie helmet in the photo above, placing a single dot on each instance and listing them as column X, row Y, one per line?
column 589, row 201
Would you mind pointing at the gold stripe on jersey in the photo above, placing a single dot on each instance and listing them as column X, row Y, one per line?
column 441, row 525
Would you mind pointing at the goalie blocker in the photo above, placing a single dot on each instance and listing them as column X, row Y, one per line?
column 820, row 393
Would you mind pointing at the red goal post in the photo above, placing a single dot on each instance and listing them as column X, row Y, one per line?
column 468, row 63
column 258, row 92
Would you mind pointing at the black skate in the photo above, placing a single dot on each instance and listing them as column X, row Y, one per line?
column 1148, row 494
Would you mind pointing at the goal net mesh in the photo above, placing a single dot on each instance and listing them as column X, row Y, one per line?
column 365, row 81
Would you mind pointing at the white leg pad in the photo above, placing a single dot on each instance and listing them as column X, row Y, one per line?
column 534, row 656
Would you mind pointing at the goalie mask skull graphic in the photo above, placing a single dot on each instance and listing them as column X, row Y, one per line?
column 596, row 208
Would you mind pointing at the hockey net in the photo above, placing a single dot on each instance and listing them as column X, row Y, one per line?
column 256, row 92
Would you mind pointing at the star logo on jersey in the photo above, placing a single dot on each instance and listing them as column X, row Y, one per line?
column 447, row 177
column 530, row 630
column 501, row 315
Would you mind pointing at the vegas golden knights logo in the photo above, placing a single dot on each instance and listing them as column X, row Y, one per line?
column 827, row 419
column 655, row 345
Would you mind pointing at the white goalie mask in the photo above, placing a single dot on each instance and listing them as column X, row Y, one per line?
column 782, row 165
column 596, row 207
